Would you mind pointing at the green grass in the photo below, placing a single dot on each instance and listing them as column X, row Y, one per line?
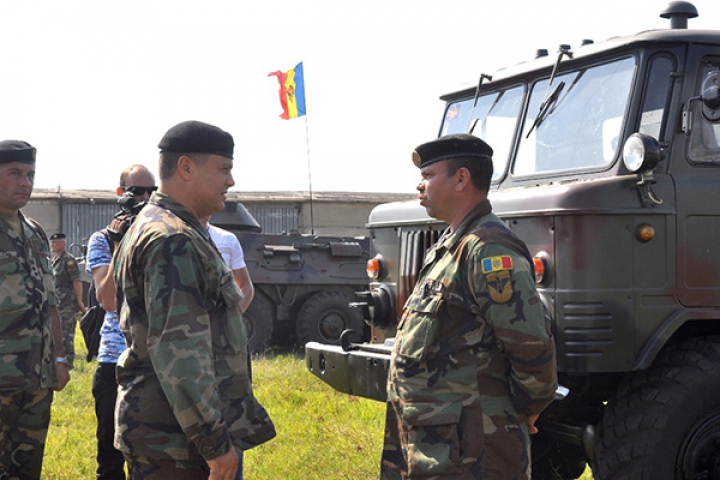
column 321, row 434
column 318, row 429
column 70, row 449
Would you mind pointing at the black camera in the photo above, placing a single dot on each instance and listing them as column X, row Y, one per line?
column 129, row 208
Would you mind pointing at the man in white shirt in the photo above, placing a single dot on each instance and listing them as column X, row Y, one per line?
column 229, row 246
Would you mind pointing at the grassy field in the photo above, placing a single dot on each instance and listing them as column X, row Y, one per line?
column 322, row 434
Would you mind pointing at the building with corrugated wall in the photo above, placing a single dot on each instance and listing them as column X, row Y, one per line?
column 79, row 213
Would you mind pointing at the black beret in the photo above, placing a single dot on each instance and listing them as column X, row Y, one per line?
column 449, row 146
column 57, row 236
column 197, row 137
column 17, row 151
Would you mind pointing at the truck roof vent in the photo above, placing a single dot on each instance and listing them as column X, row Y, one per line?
column 587, row 41
column 678, row 13
column 541, row 52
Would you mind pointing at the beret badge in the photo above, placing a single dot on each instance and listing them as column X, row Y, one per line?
column 416, row 158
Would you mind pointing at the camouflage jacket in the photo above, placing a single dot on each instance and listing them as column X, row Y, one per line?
column 472, row 359
column 184, row 389
column 26, row 294
column 65, row 272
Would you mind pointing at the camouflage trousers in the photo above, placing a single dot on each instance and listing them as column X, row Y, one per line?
column 69, row 319
column 24, row 420
column 431, row 447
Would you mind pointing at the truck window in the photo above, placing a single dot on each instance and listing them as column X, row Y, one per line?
column 705, row 135
column 657, row 95
column 581, row 128
column 494, row 119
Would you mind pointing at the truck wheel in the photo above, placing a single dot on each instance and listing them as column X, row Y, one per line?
column 258, row 324
column 664, row 423
column 324, row 316
column 552, row 460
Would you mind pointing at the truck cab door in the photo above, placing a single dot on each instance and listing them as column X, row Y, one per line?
column 697, row 181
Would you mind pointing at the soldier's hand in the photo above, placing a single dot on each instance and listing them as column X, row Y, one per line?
column 224, row 467
column 63, row 375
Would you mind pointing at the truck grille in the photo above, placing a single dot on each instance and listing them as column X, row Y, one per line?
column 412, row 255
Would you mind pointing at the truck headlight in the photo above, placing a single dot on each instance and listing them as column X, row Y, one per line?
column 641, row 153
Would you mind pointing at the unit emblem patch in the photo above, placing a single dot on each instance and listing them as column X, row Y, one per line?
column 497, row 273
column 500, row 286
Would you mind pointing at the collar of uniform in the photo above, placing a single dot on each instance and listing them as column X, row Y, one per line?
column 165, row 201
column 16, row 224
column 450, row 238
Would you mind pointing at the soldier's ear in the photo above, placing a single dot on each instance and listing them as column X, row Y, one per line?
column 185, row 167
column 462, row 179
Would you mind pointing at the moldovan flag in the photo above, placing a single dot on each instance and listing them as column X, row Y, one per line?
column 292, row 92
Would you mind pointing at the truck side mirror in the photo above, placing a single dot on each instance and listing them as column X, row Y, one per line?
column 710, row 99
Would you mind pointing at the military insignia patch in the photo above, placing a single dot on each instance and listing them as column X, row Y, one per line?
column 500, row 286
column 416, row 159
column 496, row 264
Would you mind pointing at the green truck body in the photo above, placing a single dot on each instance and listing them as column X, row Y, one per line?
column 607, row 164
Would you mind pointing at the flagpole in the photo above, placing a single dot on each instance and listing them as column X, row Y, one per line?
column 292, row 100
column 307, row 150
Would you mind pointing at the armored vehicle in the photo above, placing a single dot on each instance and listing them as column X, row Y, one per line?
column 607, row 164
column 303, row 283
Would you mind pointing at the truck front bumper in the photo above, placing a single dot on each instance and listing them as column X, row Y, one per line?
column 362, row 372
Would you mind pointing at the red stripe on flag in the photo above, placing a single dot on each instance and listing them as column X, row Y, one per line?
column 281, row 77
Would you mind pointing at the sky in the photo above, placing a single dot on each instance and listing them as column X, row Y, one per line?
column 94, row 84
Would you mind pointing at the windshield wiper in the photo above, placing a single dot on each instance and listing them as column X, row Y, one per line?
column 563, row 51
column 545, row 107
column 498, row 97
column 483, row 77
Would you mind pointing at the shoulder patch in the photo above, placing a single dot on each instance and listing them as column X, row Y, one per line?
column 496, row 264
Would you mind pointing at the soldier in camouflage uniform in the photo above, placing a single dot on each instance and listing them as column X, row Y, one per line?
column 186, row 407
column 68, row 288
column 473, row 363
column 32, row 360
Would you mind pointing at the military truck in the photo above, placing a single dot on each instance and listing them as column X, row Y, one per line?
column 607, row 164
column 303, row 283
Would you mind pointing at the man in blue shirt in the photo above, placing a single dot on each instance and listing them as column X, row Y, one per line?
column 138, row 181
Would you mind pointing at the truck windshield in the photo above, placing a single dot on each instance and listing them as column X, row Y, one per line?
column 494, row 119
column 579, row 127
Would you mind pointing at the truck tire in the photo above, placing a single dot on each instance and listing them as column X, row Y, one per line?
column 664, row 423
column 324, row 316
column 258, row 324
